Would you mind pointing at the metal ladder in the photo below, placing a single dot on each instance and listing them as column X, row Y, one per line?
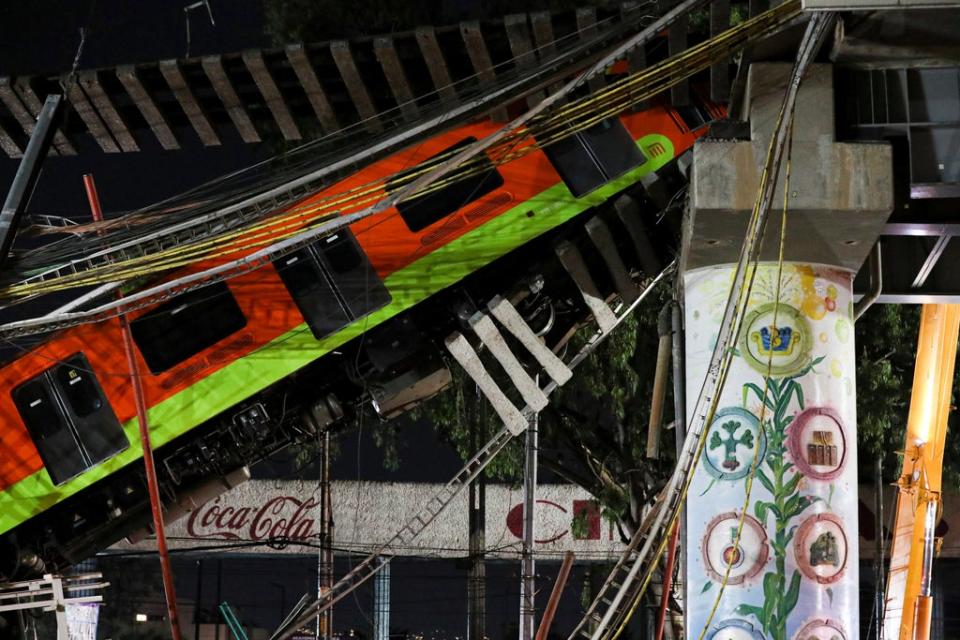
column 515, row 422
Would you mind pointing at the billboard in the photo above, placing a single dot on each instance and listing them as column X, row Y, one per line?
column 268, row 516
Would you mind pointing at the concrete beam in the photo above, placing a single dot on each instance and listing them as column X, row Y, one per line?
column 518, row 35
column 300, row 63
column 542, row 23
column 33, row 104
column 436, row 64
column 253, row 59
column 108, row 112
column 89, row 115
column 720, row 72
column 677, row 44
column 16, row 108
column 389, row 61
column 480, row 59
column 637, row 57
column 127, row 75
column 840, row 194
column 587, row 27
column 191, row 108
column 343, row 58
column 220, row 81
column 8, row 144
column 477, row 50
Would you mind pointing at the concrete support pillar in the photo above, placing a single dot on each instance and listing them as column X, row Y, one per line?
column 381, row 603
column 789, row 403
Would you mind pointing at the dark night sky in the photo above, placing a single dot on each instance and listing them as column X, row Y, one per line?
column 41, row 36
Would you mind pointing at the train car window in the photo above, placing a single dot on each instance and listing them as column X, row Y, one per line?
column 693, row 117
column 69, row 419
column 312, row 292
column 352, row 275
column 186, row 325
column 342, row 254
column 593, row 157
column 476, row 180
column 38, row 409
column 93, row 421
column 332, row 283
column 78, row 390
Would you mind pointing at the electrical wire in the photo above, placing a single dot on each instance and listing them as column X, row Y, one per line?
column 539, row 133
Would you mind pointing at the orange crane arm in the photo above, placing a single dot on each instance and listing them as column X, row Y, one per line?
column 908, row 603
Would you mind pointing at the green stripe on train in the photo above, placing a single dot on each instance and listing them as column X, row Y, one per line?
column 297, row 348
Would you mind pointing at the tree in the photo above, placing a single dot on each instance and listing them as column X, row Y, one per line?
column 593, row 433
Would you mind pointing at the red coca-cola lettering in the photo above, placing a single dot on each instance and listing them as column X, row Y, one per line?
column 280, row 517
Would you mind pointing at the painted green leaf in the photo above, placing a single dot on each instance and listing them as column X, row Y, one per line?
column 706, row 587
column 749, row 610
column 760, row 510
column 792, row 483
column 792, row 595
column 765, row 481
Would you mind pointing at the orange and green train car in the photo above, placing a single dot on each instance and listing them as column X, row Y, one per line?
column 227, row 367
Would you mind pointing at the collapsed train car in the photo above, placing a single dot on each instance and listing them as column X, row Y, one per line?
column 238, row 370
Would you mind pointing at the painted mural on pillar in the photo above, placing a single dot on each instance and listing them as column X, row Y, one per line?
column 785, row 431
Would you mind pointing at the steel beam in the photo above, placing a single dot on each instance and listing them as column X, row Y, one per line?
column 932, row 258
column 108, row 112
column 253, row 59
column 170, row 70
column 220, row 81
column 386, row 53
column 343, row 58
column 300, row 63
column 127, row 75
column 27, row 173
column 436, row 64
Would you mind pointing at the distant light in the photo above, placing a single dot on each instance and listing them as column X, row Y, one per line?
column 140, row 617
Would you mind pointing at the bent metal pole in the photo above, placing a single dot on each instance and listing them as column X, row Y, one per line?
column 151, row 472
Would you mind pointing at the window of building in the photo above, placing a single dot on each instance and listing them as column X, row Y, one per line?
column 69, row 418
column 186, row 325
column 593, row 157
column 465, row 185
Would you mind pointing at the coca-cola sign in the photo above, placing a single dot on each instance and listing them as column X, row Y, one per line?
column 279, row 518
column 285, row 517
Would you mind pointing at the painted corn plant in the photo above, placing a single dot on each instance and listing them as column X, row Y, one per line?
column 777, row 475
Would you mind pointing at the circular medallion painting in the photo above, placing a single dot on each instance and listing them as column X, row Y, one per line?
column 735, row 630
column 818, row 443
column 784, row 342
column 733, row 443
column 820, row 547
column 720, row 547
column 821, row 630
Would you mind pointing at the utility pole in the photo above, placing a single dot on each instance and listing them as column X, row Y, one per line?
column 381, row 602
column 528, row 609
column 476, row 579
column 140, row 402
column 325, row 553
column 880, row 588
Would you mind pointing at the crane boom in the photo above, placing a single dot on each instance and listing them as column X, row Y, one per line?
column 908, row 602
